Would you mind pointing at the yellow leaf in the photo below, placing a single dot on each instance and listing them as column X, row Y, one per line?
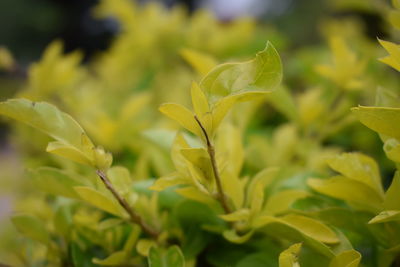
column 6, row 59
column 182, row 115
column 99, row 200
column 201, row 62
column 349, row 258
column 356, row 193
column 393, row 59
column 261, row 179
column 134, row 105
column 290, row 256
column 380, row 119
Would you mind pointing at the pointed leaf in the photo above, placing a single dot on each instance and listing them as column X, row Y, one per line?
column 182, row 115
column 290, row 256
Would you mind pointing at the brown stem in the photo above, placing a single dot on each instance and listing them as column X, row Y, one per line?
column 135, row 218
column 211, row 152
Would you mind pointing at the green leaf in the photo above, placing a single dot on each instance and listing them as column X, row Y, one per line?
column 31, row 227
column 380, row 119
column 120, row 178
column 262, row 74
column 199, row 101
column 116, row 258
column 72, row 139
column 349, row 258
column 55, row 181
column 63, row 220
column 182, row 115
column 290, row 256
column 170, row 180
column 356, row 193
column 238, row 215
column 161, row 258
column 99, row 200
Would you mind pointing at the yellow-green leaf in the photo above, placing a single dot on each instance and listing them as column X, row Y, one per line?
column 99, row 200
column 281, row 201
column 31, row 227
column 195, row 194
column 355, row 192
column 393, row 59
column 358, row 167
column 386, row 216
column 349, row 258
column 380, row 119
column 312, row 228
column 290, row 256
column 264, row 73
column 201, row 62
column 392, row 149
column 164, row 182
column 53, row 122
column 67, row 151
column 55, row 181
column 182, row 115
column 232, row 236
column 238, row 215
column 116, row 258
column 392, row 197
column 199, row 101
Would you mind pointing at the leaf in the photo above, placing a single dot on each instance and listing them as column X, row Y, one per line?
column 232, row 236
column 199, row 101
column 99, row 200
column 51, row 121
column 165, row 182
column 31, row 227
column 312, row 228
column 355, row 192
column 182, row 115
column 195, row 194
column 238, row 215
column 262, row 74
column 264, row 178
column 393, row 59
column 63, row 220
column 358, row 167
column 290, row 256
column 349, row 258
column 392, row 201
column 120, row 178
column 386, row 216
column 380, row 119
column 143, row 246
column 392, row 149
column 116, row 258
column 281, row 201
column 161, row 258
column 201, row 62
column 55, row 181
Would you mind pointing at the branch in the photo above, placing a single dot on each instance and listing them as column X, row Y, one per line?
column 134, row 217
column 211, row 152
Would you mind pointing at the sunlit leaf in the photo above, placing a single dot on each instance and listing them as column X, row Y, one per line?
column 349, row 258
column 290, row 256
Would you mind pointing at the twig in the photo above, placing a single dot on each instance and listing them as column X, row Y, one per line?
column 135, row 218
column 211, row 153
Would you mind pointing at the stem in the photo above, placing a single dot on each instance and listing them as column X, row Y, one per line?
column 134, row 217
column 211, row 152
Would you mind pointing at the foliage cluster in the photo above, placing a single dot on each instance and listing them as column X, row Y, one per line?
column 262, row 174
